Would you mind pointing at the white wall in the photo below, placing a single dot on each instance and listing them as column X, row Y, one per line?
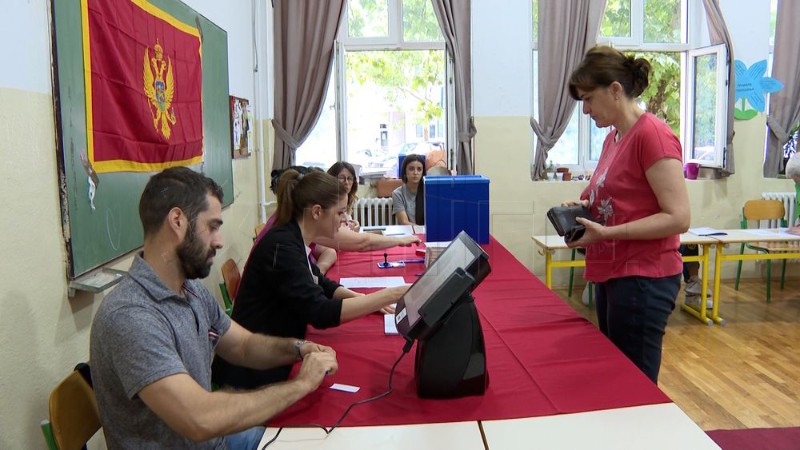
column 44, row 333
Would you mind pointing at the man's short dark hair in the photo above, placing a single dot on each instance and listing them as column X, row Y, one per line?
column 178, row 187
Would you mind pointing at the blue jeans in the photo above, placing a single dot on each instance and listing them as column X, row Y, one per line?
column 633, row 312
column 245, row 440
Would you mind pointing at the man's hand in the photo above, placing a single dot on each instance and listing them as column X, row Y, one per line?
column 316, row 365
column 794, row 230
column 389, row 309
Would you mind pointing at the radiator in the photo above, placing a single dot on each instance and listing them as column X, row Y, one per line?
column 373, row 211
column 788, row 200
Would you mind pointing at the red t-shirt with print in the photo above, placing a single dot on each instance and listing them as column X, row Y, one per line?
column 619, row 193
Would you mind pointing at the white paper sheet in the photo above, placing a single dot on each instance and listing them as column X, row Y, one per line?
column 388, row 324
column 371, row 282
column 344, row 387
column 764, row 233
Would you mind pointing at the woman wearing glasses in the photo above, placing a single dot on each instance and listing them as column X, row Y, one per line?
column 346, row 174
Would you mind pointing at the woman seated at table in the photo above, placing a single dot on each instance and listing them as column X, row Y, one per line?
column 281, row 292
column 346, row 239
column 346, row 174
column 408, row 201
column 321, row 255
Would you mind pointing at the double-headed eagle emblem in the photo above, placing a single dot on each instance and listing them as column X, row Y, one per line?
column 159, row 89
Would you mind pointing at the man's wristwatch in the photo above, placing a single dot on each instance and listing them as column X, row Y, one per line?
column 297, row 344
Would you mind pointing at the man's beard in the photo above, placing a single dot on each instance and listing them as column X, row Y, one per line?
column 193, row 256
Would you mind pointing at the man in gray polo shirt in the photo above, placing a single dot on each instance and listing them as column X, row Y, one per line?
column 154, row 336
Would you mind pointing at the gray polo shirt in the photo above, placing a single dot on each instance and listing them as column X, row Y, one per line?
column 404, row 200
column 144, row 332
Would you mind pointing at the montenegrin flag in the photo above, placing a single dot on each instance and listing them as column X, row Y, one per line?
column 143, row 80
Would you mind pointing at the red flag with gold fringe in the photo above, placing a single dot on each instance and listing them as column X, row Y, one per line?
column 143, row 79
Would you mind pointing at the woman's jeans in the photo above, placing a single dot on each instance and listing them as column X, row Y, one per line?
column 633, row 312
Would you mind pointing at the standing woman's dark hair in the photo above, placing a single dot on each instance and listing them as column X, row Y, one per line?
column 296, row 192
column 337, row 169
column 419, row 209
column 604, row 65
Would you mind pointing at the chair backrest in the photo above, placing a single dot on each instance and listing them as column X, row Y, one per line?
column 258, row 229
column 74, row 417
column 231, row 277
column 763, row 210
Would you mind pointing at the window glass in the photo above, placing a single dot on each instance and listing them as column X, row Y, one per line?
column 367, row 18
column 705, row 102
column 319, row 149
column 567, row 148
column 617, row 19
column 663, row 21
column 392, row 97
column 663, row 94
column 419, row 22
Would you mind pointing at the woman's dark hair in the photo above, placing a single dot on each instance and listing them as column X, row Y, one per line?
column 419, row 209
column 336, row 169
column 176, row 187
column 276, row 175
column 297, row 191
column 604, row 65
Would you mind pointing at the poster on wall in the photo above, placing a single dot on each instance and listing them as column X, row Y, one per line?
column 241, row 127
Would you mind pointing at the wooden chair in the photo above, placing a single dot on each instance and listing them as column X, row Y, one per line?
column 230, row 284
column 258, row 229
column 74, row 417
column 757, row 211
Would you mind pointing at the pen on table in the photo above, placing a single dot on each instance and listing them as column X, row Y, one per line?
column 394, row 234
column 412, row 261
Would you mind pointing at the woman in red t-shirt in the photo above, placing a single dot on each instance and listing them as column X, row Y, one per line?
column 639, row 196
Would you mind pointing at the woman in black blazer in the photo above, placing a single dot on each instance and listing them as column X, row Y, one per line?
column 281, row 292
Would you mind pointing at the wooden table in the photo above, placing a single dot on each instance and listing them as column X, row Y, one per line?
column 550, row 243
column 738, row 236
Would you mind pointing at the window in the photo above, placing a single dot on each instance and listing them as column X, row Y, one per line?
column 706, row 131
column 663, row 39
column 388, row 91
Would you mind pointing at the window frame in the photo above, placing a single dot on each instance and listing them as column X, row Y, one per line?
column 721, row 106
column 393, row 42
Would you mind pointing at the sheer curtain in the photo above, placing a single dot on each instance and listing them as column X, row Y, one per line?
column 784, row 105
column 567, row 29
column 454, row 20
column 718, row 33
column 305, row 31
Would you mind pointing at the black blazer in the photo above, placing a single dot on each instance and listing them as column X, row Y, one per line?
column 278, row 296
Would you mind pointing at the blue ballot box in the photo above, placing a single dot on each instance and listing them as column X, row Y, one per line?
column 457, row 203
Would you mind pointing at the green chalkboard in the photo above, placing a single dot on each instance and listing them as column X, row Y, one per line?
column 111, row 228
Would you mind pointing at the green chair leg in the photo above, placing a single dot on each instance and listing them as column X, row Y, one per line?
column 783, row 274
column 47, row 431
column 769, row 281
column 739, row 269
column 571, row 275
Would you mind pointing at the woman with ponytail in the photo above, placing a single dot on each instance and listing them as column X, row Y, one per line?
column 281, row 292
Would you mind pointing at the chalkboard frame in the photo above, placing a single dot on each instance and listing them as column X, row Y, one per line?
column 100, row 231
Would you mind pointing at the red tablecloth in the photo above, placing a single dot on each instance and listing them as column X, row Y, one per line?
column 542, row 358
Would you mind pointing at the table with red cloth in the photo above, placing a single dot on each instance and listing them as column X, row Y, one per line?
column 542, row 358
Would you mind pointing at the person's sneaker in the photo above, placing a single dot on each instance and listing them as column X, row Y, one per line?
column 693, row 287
column 694, row 302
